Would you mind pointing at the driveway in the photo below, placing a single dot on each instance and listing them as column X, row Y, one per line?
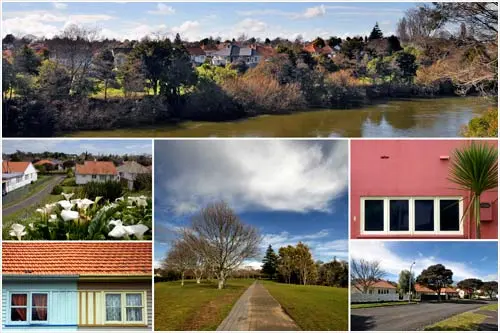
column 35, row 198
column 408, row 317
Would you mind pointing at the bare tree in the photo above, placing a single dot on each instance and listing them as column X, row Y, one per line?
column 418, row 24
column 365, row 274
column 180, row 258
column 222, row 239
column 304, row 262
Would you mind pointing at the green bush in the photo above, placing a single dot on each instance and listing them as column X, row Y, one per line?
column 143, row 181
column 58, row 189
column 485, row 125
column 70, row 181
column 109, row 190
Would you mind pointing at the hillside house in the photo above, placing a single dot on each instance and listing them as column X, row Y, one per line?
column 16, row 175
column 95, row 171
column 129, row 171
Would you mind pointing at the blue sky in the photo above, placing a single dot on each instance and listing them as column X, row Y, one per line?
column 467, row 259
column 195, row 20
column 290, row 190
column 102, row 147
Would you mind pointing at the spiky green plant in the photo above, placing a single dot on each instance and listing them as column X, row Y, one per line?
column 474, row 168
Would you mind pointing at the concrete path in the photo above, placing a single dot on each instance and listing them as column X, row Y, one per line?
column 35, row 198
column 408, row 317
column 490, row 323
column 257, row 310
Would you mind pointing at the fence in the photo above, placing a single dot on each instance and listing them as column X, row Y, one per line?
column 370, row 298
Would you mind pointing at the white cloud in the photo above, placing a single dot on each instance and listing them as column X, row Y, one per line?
column 273, row 175
column 249, row 25
column 162, row 9
column 60, row 5
column 393, row 263
column 312, row 12
column 188, row 30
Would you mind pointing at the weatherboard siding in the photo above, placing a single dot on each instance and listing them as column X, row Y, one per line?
column 61, row 307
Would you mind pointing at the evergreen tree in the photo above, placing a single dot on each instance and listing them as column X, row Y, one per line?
column 376, row 33
column 270, row 263
column 177, row 40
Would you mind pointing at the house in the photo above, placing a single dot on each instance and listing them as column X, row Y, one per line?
column 52, row 164
column 129, row 170
column 50, row 286
column 16, row 175
column 120, row 55
column 326, row 50
column 380, row 291
column 95, row 171
column 401, row 189
column 197, row 55
column 232, row 52
column 423, row 293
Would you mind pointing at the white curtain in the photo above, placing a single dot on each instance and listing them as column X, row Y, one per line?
column 113, row 307
column 134, row 307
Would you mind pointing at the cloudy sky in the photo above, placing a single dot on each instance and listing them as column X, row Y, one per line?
column 103, row 147
column 291, row 190
column 466, row 259
column 198, row 20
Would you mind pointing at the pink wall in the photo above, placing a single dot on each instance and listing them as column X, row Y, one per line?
column 413, row 168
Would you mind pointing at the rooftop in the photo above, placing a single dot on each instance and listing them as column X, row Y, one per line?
column 96, row 168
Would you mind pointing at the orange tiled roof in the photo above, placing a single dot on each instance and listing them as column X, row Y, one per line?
column 382, row 284
column 422, row 289
column 42, row 162
column 10, row 167
column 77, row 258
column 96, row 168
column 195, row 50
column 449, row 290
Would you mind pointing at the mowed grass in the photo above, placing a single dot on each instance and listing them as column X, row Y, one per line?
column 467, row 321
column 195, row 307
column 314, row 308
column 25, row 192
column 376, row 305
column 491, row 307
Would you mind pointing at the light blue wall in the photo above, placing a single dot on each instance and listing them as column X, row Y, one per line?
column 62, row 307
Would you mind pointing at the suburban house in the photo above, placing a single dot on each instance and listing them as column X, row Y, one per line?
column 423, row 293
column 52, row 286
column 197, row 55
column 95, row 171
column 129, row 170
column 326, row 50
column 16, row 175
column 229, row 53
column 54, row 164
column 380, row 291
column 401, row 189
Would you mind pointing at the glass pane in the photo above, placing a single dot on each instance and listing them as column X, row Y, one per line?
column 19, row 299
column 134, row 300
column 39, row 299
column 424, row 215
column 18, row 314
column 39, row 314
column 113, row 307
column 134, row 314
column 449, row 215
column 399, row 215
column 374, row 215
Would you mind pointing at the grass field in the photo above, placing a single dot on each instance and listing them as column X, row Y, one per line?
column 200, row 307
column 376, row 305
column 467, row 321
column 314, row 308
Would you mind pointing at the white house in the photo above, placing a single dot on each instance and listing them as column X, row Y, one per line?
column 16, row 175
column 380, row 291
column 95, row 171
column 129, row 171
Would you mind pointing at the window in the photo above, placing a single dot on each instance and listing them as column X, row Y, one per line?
column 125, row 307
column 94, row 176
column 411, row 215
column 102, row 177
column 29, row 307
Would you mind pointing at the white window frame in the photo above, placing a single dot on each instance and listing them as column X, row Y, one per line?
column 28, row 307
column 411, row 211
column 123, row 305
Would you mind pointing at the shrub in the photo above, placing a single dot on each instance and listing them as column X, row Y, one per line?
column 56, row 190
column 109, row 190
column 344, row 90
column 143, row 181
column 70, row 181
column 485, row 125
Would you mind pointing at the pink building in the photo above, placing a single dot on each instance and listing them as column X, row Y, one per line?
column 399, row 189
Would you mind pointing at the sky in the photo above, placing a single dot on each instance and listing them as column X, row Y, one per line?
column 96, row 147
column 290, row 190
column 194, row 21
column 465, row 258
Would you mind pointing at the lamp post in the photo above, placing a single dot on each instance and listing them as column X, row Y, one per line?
column 409, row 283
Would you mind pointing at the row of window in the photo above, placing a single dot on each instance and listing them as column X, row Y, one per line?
column 411, row 215
column 379, row 291
column 120, row 308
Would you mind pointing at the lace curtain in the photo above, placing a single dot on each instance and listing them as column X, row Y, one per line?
column 39, row 307
column 134, row 307
column 18, row 313
column 113, row 307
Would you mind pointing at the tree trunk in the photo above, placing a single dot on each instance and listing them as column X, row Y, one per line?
column 182, row 279
column 220, row 284
column 222, row 280
column 105, row 90
column 477, row 213
column 198, row 280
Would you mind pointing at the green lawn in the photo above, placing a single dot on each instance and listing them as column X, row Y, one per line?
column 491, row 307
column 24, row 192
column 314, row 308
column 376, row 305
column 467, row 321
column 196, row 307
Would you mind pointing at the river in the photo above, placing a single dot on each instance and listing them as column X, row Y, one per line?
column 440, row 117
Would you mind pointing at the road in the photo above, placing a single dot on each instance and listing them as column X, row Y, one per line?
column 408, row 317
column 35, row 198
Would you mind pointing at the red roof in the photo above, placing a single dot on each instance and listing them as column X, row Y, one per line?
column 42, row 162
column 265, row 51
column 315, row 49
column 422, row 289
column 77, row 258
column 11, row 167
column 196, row 50
column 382, row 284
column 96, row 168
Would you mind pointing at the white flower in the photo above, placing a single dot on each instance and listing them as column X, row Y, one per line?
column 118, row 231
column 69, row 215
column 84, row 203
column 67, row 196
column 119, row 199
column 65, row 204
column 47, row 209
column 139, row 201
column 137, row 230
column 32, row 226
column 17, row 230
column 53, row 218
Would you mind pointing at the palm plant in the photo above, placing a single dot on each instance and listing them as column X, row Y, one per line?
column 474, row 168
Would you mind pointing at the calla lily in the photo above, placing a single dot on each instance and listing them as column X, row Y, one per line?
column 53, row 218
column 17, row 230
column 119, row 199
column 137, row 230
column 67, row 196
column 118, row 231
column 32, row 226
column 84, row 203
column 65, row 204
column 69, row 215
